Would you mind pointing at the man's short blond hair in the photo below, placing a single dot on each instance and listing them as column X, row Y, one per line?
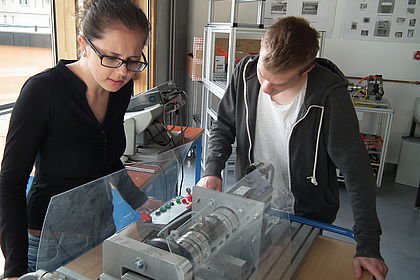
column 290, row 43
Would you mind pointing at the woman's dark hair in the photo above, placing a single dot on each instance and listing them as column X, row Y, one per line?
column 99, row 15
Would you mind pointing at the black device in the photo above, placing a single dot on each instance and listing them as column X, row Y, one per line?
column 375, row 87
column 157, row 95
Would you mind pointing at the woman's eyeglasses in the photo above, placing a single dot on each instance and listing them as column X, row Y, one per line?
column 115, row 62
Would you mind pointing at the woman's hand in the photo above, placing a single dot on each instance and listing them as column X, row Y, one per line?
column 151, row 205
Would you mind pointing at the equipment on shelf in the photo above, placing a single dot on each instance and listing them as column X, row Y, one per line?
column 373, row 145
column 372, row 141
column 161, row 94
column 367, row 95
column 375, row 87
column 151, row 118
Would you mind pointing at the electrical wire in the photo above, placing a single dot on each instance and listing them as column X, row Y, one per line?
column 360, row 104
column 175, row 221
column 182, row 179
column 363, row 99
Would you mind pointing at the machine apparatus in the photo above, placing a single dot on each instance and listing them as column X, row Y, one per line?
column 219, row 238
column 371, row 92
column 213, row 235
column 150, row 119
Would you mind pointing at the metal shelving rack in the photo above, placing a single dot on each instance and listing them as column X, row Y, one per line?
column 384, row 114
column 234, row 12
column 377, row 122
column 215, row 84
column 218, row 83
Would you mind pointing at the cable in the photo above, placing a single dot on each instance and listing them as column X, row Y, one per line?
column 182, row 179
column 359, row 103
column 175, row 221
column 364, row 91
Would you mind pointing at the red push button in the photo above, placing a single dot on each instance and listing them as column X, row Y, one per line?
column 145, row 217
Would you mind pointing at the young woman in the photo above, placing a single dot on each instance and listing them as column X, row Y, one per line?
column 68, row 120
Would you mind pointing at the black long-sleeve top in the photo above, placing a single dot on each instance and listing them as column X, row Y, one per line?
column 53, row 126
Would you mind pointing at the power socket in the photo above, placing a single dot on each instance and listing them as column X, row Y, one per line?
column 416, row 55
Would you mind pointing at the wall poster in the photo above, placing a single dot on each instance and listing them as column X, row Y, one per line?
column 319, row 13
column 381, row 20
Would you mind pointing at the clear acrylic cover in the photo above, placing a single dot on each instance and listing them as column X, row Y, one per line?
column 226, row 236
column 81, row 218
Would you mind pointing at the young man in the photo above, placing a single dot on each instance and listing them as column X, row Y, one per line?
column 287, row 107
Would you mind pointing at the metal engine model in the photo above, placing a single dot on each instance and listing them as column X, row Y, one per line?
column 372, row 91
column 221, row 240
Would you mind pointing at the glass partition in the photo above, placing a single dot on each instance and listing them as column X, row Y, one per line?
column 82, row 218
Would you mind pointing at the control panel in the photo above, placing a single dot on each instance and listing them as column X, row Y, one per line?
column 170, row 210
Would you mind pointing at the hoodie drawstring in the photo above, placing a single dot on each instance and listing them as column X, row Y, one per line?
column 247, row 111
column 313, row 178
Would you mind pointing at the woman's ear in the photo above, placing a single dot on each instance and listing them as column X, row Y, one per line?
column 82, row 44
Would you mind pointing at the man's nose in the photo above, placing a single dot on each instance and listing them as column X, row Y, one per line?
column 267, row 88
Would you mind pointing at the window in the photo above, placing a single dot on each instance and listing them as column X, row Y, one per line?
column 25, row 49
column 31, row 37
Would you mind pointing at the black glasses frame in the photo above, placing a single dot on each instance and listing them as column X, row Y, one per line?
column 141, row 64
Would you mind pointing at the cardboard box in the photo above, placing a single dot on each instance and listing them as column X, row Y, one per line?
column 195, row 60
column 194, row 69
column 244, row 47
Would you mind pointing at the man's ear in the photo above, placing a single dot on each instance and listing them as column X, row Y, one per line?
column 308, row 69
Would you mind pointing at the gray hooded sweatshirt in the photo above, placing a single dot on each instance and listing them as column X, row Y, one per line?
column 324, row 137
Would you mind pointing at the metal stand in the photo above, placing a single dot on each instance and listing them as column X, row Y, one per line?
column 383, row 129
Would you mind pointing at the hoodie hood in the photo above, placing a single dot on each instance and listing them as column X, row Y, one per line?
column 319, row 78
column 322, row 79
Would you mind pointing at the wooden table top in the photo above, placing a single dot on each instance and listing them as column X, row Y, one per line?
column 329, row 259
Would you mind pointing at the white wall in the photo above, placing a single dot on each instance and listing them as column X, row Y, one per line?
column 357, row 58
column 391, row 59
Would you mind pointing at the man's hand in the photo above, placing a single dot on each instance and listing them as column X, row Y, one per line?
column 210, row 182
column 376, row 267
column 11, row 278
column 150, row 205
